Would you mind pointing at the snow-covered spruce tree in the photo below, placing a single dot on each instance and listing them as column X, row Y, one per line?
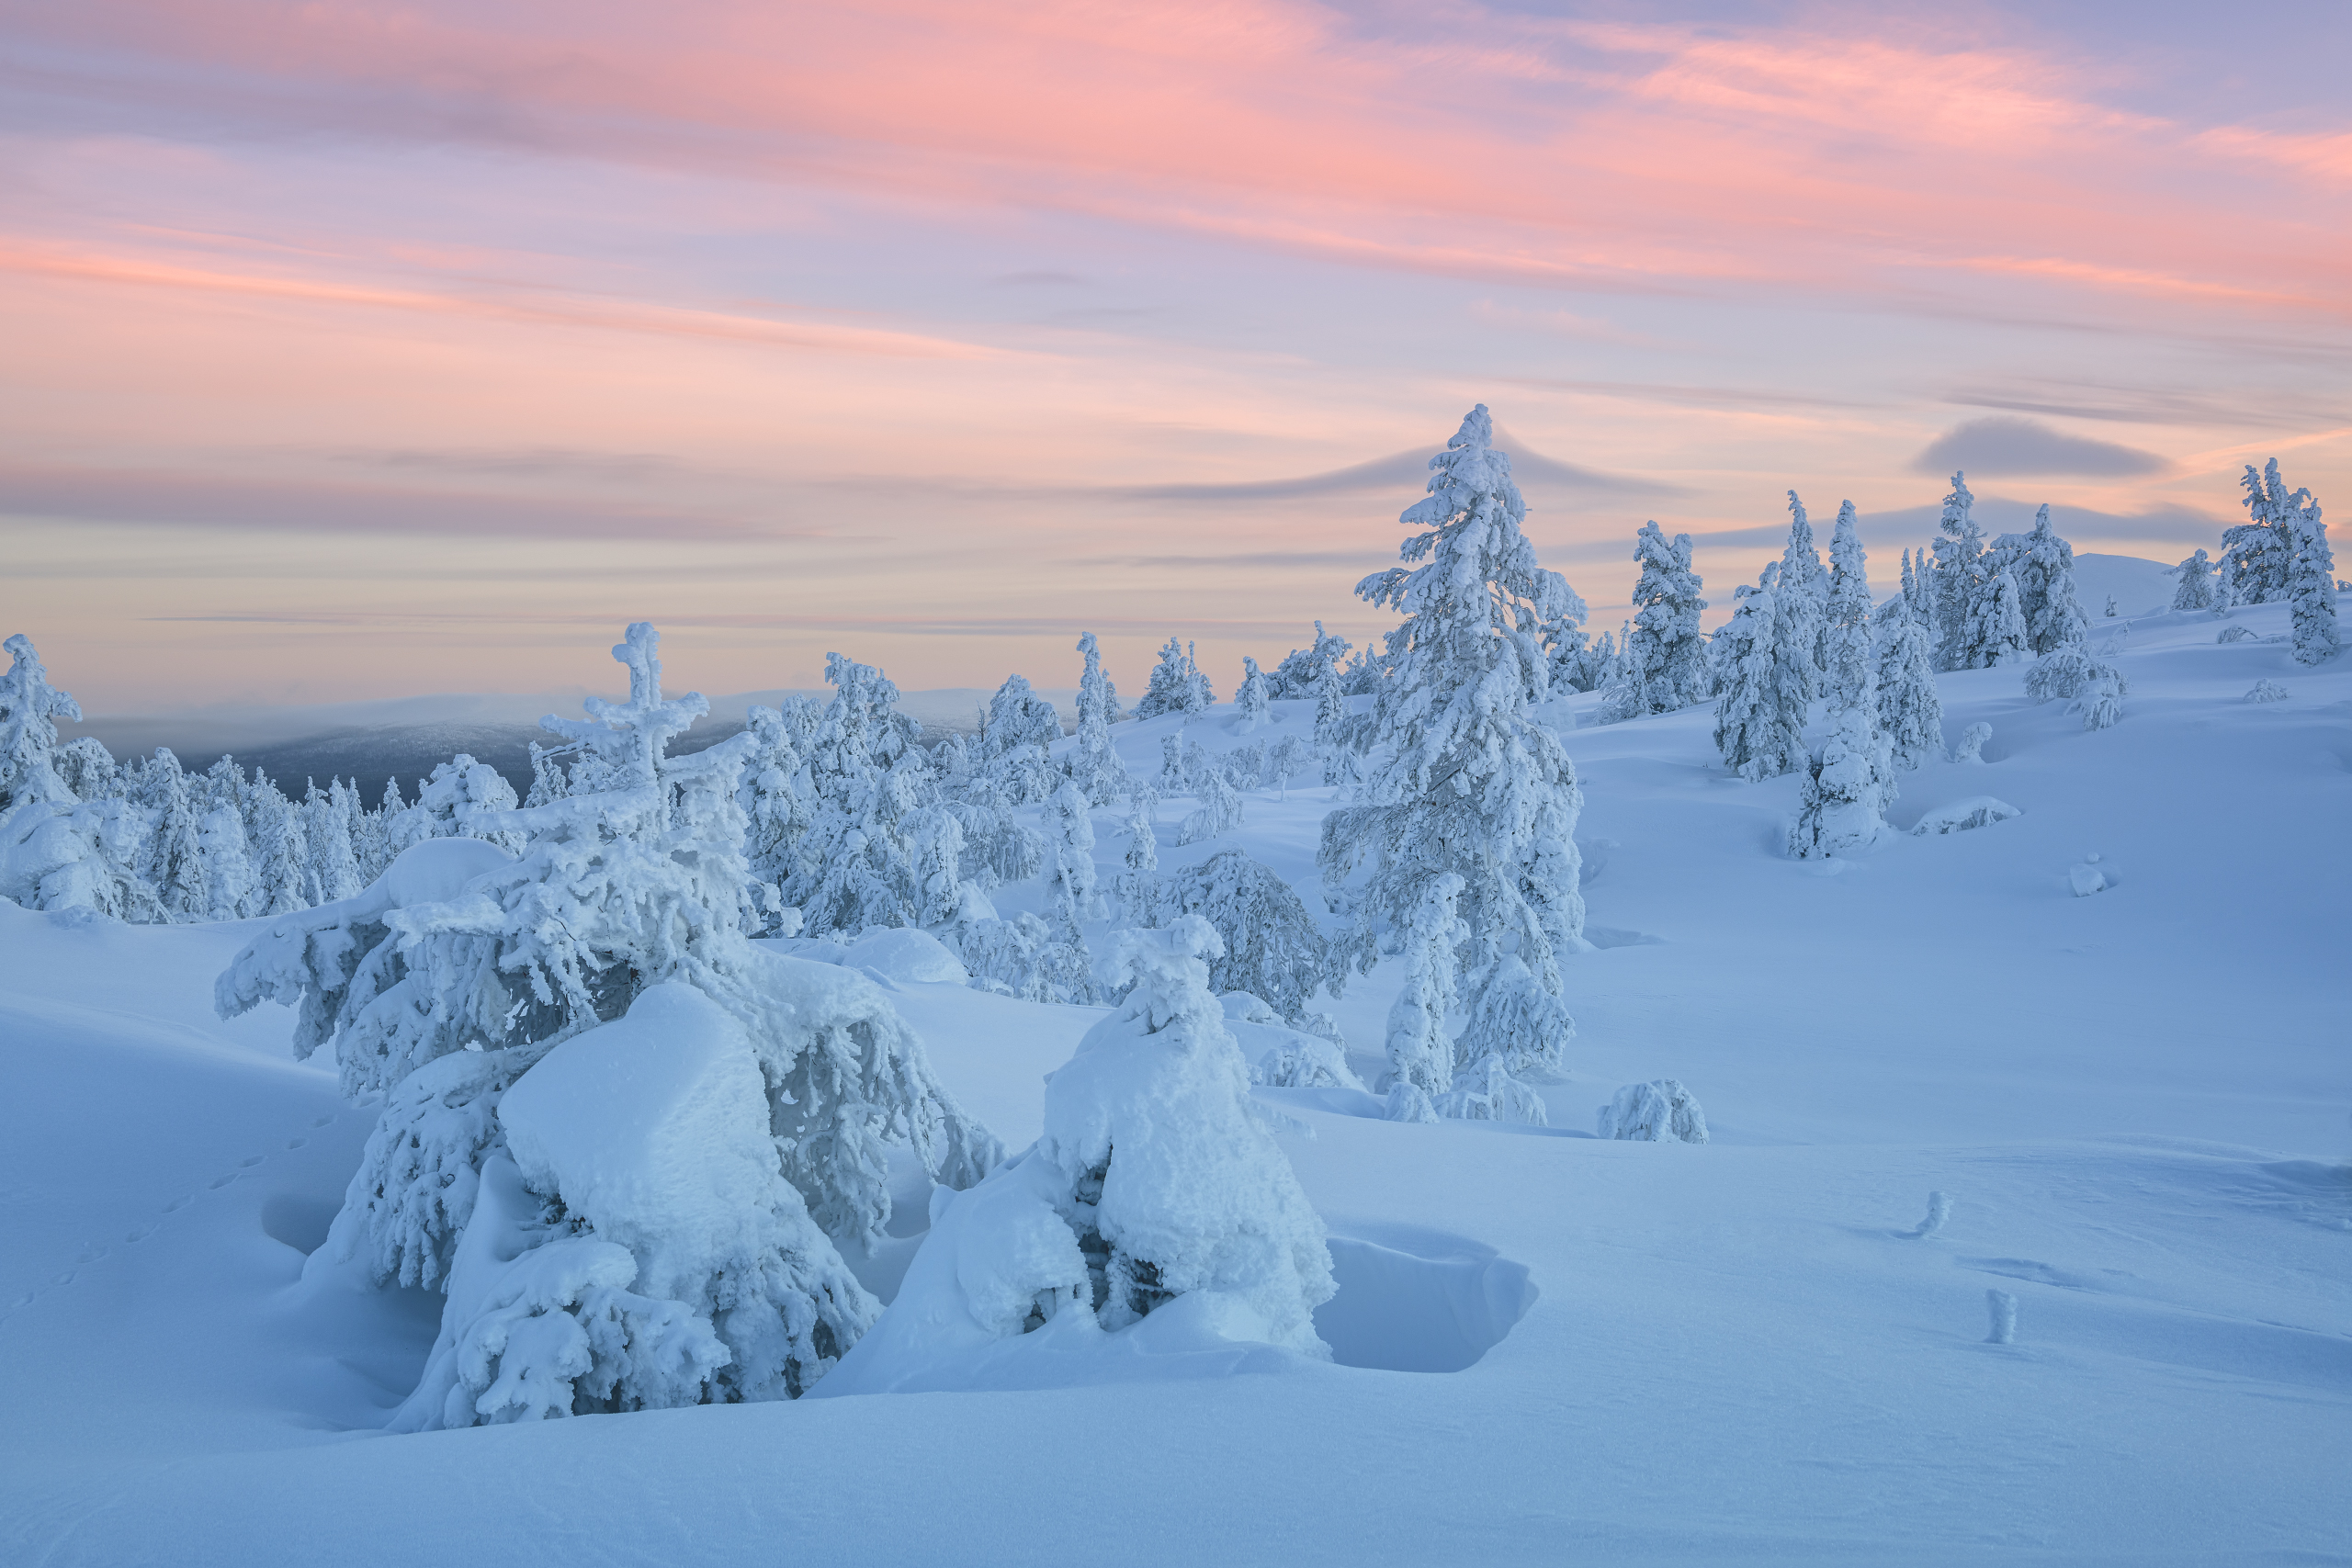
column 1420, row 1049
column 1961, row 582
column 1093, row 764
column 1016, row 736
column 1136, row 885
column 281, row 853
column 1306, row 671
column 2311, row 584
column 88, row 770
column 1997, row 634
column 462, row 972
column 777, row 797
column 174, row 858
column 229, row 881
column 1154, row 1185
column 29, row 709
column 1803, row 594
column 2196, row 589
column 1177, row 684
column 1286, row 760
column 330, row 819
column 2044, row 565
column 1071, row 881
column 457, row 800
column 1845, row 639
column 1665, row 658
column 1463, row 780
column 1761, row 712
column 2257, row 554
column 1847, row 788
column 1251, row 698
column 1910, row 711
column 868, row 783
column 1271, row 947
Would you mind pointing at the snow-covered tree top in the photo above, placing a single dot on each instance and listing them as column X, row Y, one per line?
column 628, row 740
column 1957, row 520
column 1481, row 580
column 29, row 709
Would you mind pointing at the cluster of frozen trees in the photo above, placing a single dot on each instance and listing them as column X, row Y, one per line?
column 632, row 1146
column 147, row 840
column 2280, row 555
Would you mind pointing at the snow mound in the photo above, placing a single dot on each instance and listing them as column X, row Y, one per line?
column 1660, row 1112
column 1417, row 1301
column 1961, row 815
column 906, row 955
column 2267, row 692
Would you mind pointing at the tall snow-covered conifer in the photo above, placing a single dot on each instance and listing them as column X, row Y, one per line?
column 1093, row 766
column 1464, row 782
column 1960, row 583
column 1847, row 637
column 29, row 709
column 1803, row 593
column 1663, row 658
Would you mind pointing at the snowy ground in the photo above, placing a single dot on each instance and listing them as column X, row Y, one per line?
column 2137, row 1102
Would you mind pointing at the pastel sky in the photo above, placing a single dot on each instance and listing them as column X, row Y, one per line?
column 359, row 351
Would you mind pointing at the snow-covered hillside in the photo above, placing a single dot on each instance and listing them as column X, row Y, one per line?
column 1547, row 1346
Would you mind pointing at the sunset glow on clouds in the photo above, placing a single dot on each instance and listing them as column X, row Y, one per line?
column 362, row 350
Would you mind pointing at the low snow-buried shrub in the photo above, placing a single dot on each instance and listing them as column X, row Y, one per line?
column 1961, row 815
column 2267, row 692
column 1156, row 1203
column 1660, row 1112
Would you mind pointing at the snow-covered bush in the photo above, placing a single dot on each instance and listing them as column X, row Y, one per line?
column 1660, row 1112
column 1219, row 811
column 1269, row 945
column 2235, row 634
column 1023, row 958
column 2100, row 700
column 2267, row 692
column 1464, row 782
column 1962, row 816
column 1971, row 743
column 1154, row 1189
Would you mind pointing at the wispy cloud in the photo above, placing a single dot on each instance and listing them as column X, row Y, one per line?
column 2007, row 445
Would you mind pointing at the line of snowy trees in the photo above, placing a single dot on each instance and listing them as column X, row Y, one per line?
column 148, row 841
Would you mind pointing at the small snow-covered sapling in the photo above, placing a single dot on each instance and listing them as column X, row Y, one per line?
column 2267, row 692
column 1972, row 743
column 2003, row 1309
column 1938, row 1211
